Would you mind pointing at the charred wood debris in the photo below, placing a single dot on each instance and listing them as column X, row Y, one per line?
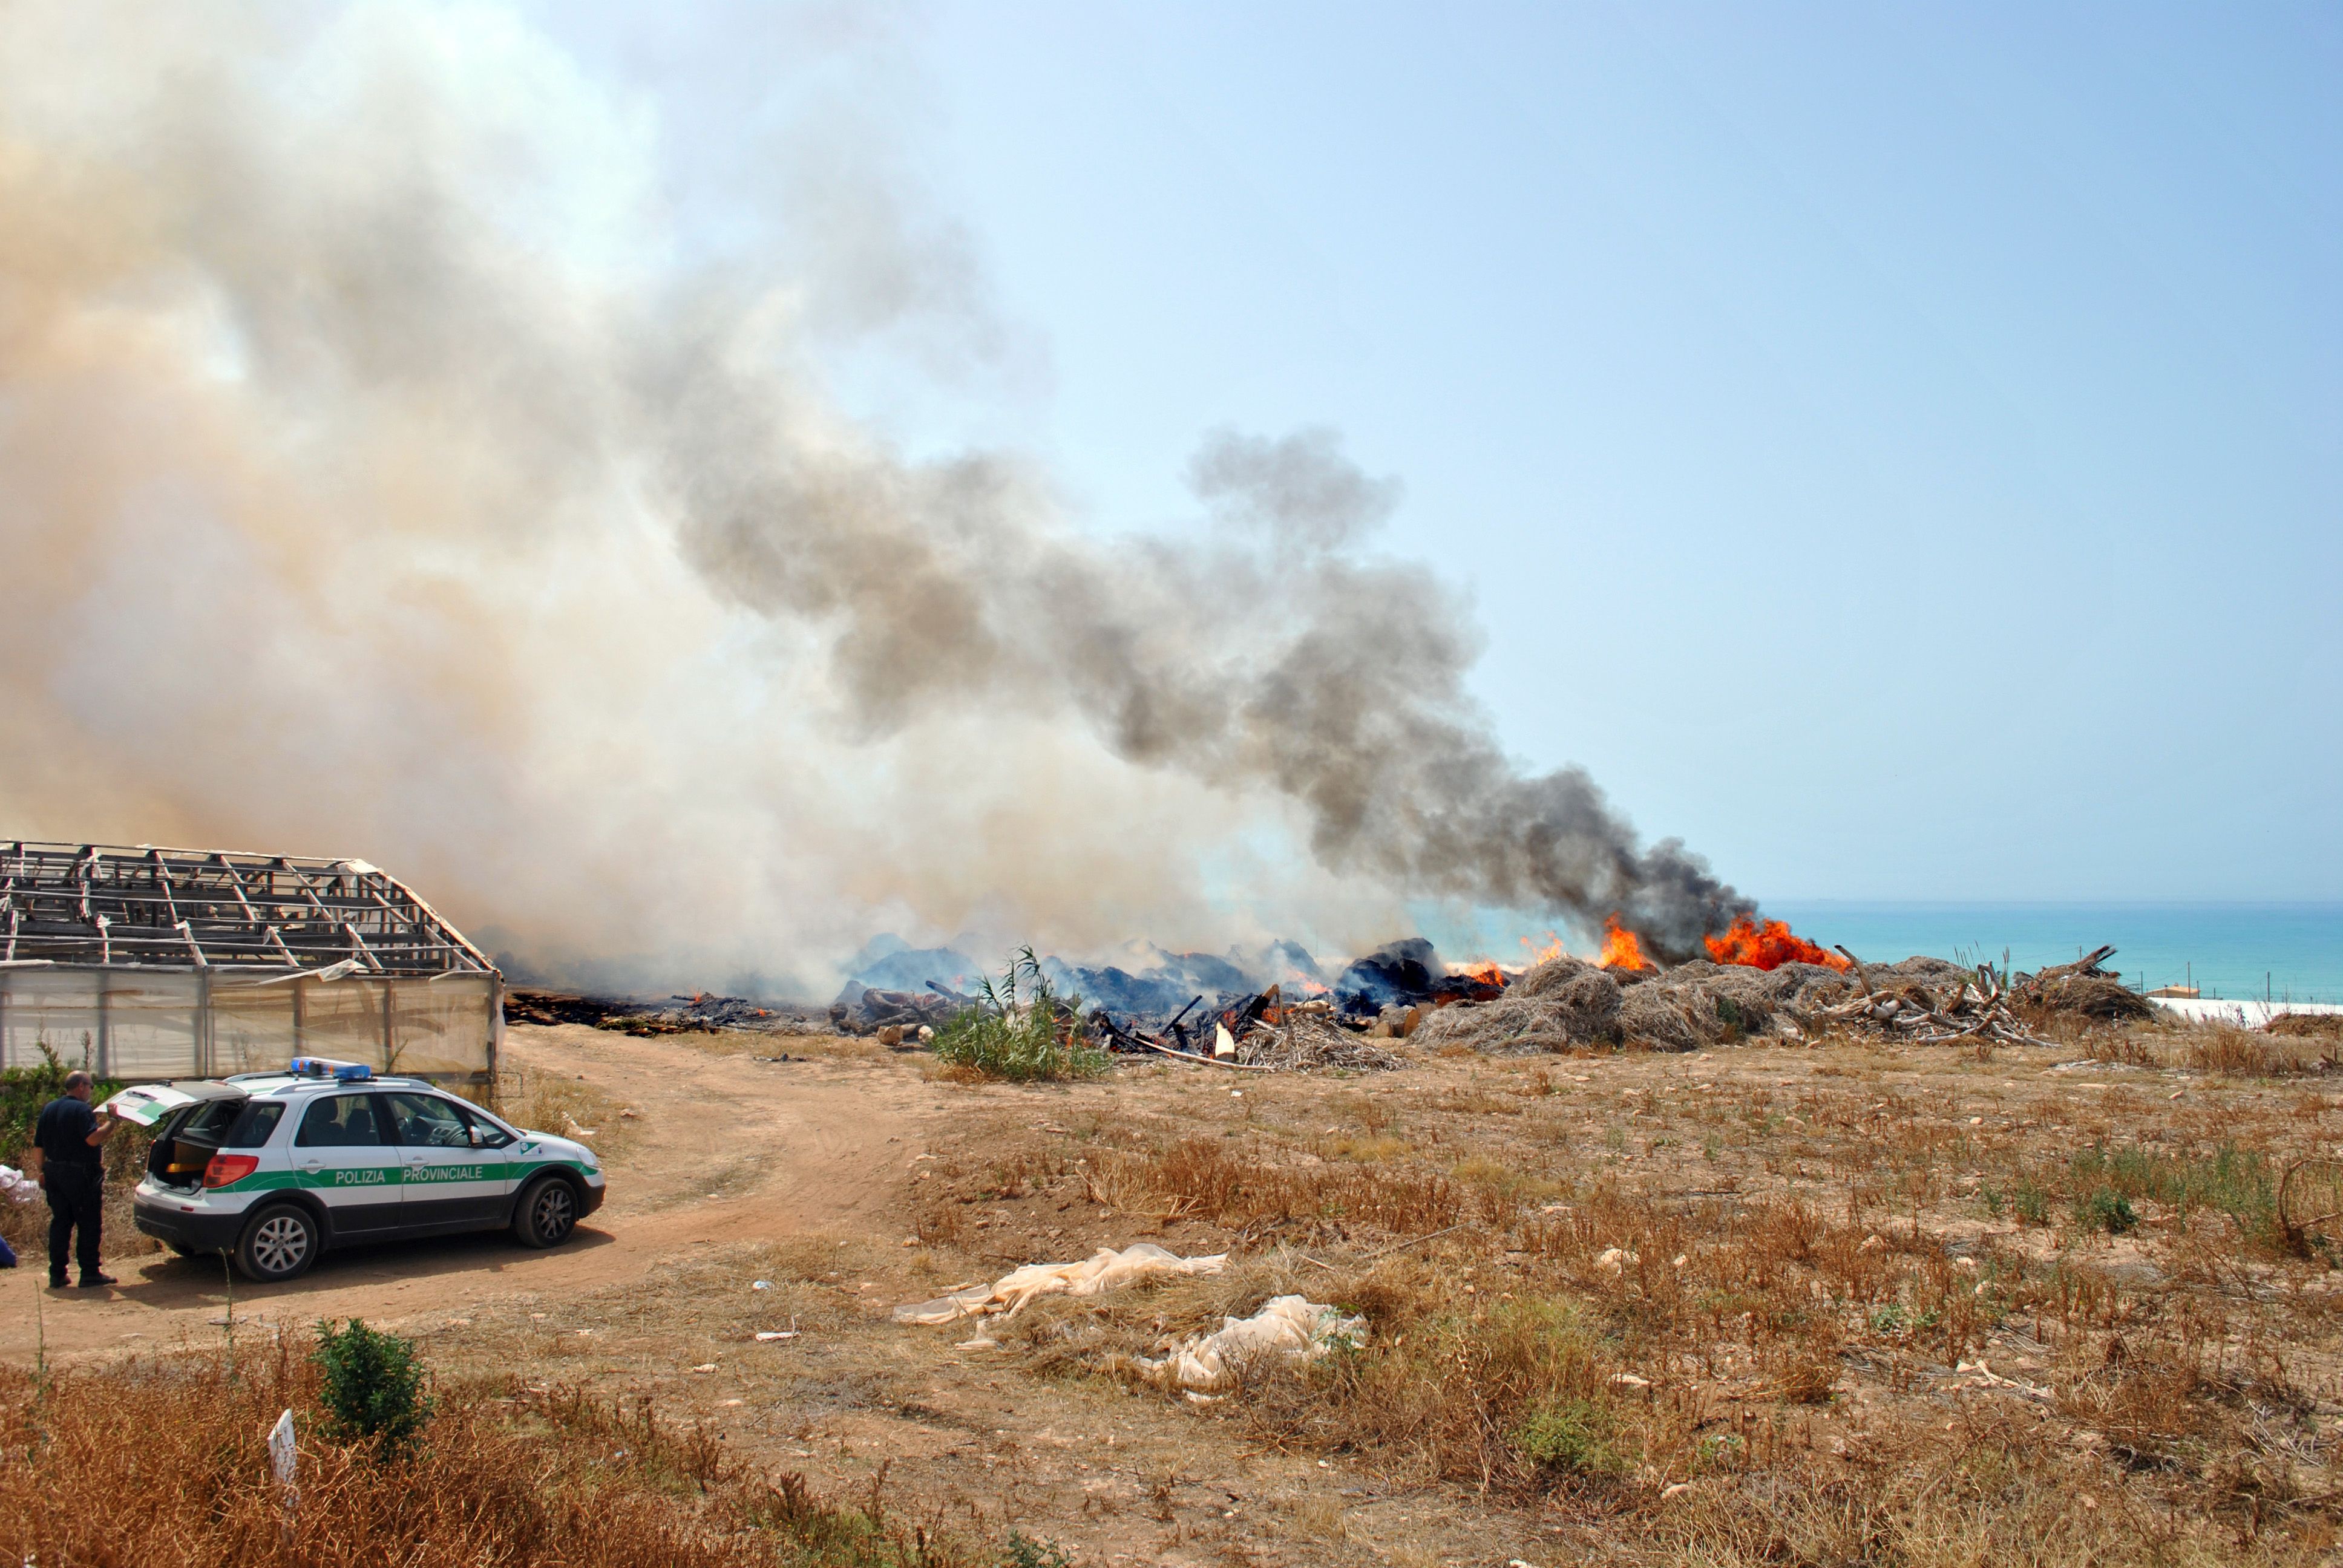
column 1404, row 992
column 701, row 1014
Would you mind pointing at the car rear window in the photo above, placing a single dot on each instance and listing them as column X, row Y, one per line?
column 209, row 1122
column 232, row 1123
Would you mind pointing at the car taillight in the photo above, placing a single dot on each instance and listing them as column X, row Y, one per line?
column 225, row 1169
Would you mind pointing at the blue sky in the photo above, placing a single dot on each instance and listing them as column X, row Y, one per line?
column 1894, row 449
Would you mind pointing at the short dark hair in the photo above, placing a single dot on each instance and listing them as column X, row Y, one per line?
column 77, row 1079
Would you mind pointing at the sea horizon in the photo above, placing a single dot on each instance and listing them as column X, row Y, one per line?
column 2231, row 948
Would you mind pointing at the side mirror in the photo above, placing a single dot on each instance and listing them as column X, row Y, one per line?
column 476, row 1134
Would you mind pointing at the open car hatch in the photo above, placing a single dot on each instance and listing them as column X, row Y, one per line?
column 148, row 1103
column 180, row 1115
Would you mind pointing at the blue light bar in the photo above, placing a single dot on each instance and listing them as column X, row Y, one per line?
column 327, row 1067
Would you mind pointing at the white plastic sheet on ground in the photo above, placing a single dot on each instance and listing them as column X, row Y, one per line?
column 1105, row 1270
column 1290, row 1329
column 16, row 1186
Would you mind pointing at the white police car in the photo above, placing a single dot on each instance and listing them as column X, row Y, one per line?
column 272, row 1168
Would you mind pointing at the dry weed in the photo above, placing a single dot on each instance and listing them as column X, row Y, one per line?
column 2225, row 1048
column 1247, row 1189
column 542, row 1100
column 503, row 1474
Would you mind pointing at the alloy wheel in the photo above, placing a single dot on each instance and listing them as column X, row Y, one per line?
column 280, row 1244
column 556, row 1212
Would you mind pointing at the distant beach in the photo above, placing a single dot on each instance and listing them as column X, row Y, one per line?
column 2294, row 951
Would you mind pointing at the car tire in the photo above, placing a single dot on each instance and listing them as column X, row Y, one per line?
column 280, row 1244
column 547, row 1212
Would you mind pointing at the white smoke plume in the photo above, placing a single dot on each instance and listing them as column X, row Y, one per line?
column 377, row 479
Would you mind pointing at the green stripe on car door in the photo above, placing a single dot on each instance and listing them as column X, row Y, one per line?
column 361, row 1178
column 370, row 1176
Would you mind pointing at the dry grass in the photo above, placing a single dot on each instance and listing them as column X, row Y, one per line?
column 505, row 1474
column 819, row 1046
column 543, row 1101
column 1835, row 1305
column 1245, row 1188
column 2259, row 1053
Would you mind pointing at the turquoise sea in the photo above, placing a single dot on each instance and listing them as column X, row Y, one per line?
column 2293, row 951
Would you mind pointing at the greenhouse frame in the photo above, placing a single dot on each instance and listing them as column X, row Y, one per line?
column 151, row 963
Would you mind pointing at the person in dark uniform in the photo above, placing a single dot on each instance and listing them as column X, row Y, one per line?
column 72, row 1138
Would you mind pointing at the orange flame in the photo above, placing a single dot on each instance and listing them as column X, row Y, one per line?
column 1621, row 950
column 1553, row 949
column 1768, row 946
column 1486, row 971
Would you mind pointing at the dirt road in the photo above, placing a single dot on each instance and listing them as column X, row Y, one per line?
column 722, row 1149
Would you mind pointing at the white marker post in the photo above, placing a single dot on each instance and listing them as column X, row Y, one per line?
column 284, row 1457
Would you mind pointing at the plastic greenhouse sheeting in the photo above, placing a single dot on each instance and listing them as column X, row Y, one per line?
column 252, row 1027
column 55, row 1008
column 443, row 1026
column 154, row 1023
column 152, row 1019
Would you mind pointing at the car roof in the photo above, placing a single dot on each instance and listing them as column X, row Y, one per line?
column 285, row 1083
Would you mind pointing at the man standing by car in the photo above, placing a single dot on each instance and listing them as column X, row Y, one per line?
column 72, row 1141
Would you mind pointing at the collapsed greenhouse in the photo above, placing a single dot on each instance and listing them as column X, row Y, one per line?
column 155, row 963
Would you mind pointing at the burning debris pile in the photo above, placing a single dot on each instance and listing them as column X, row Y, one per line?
column 697, row 1014
column 874, row 1012
column 1299, row 1039
column 1403, row 992
column 1759, row 981
column 1262, row 1032
column 1566, row 1003
column 1563, row 1003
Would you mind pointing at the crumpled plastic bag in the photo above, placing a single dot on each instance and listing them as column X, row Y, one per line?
column 17, row 1187
column 1105, row 1270
column 1290, row 1329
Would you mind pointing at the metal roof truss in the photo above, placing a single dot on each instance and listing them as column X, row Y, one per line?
column 180, row 909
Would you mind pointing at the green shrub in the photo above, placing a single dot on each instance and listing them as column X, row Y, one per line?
column 372, row 1387
column 2032, row 1203
column 1025, row 1553
column 1573, row 1435
column 2238, row 1183
column 25, row 1090
column 2107, row 1209
column 1021, row 1031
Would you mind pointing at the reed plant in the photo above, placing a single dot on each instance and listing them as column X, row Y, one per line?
column 1020, row 1030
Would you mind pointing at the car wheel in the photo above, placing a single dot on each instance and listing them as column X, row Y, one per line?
column 547, row 1213
column 280, row 1244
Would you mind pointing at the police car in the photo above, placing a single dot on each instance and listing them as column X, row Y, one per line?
column 272, row 1168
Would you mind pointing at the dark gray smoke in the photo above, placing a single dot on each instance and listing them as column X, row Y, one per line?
column 1277, row 653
